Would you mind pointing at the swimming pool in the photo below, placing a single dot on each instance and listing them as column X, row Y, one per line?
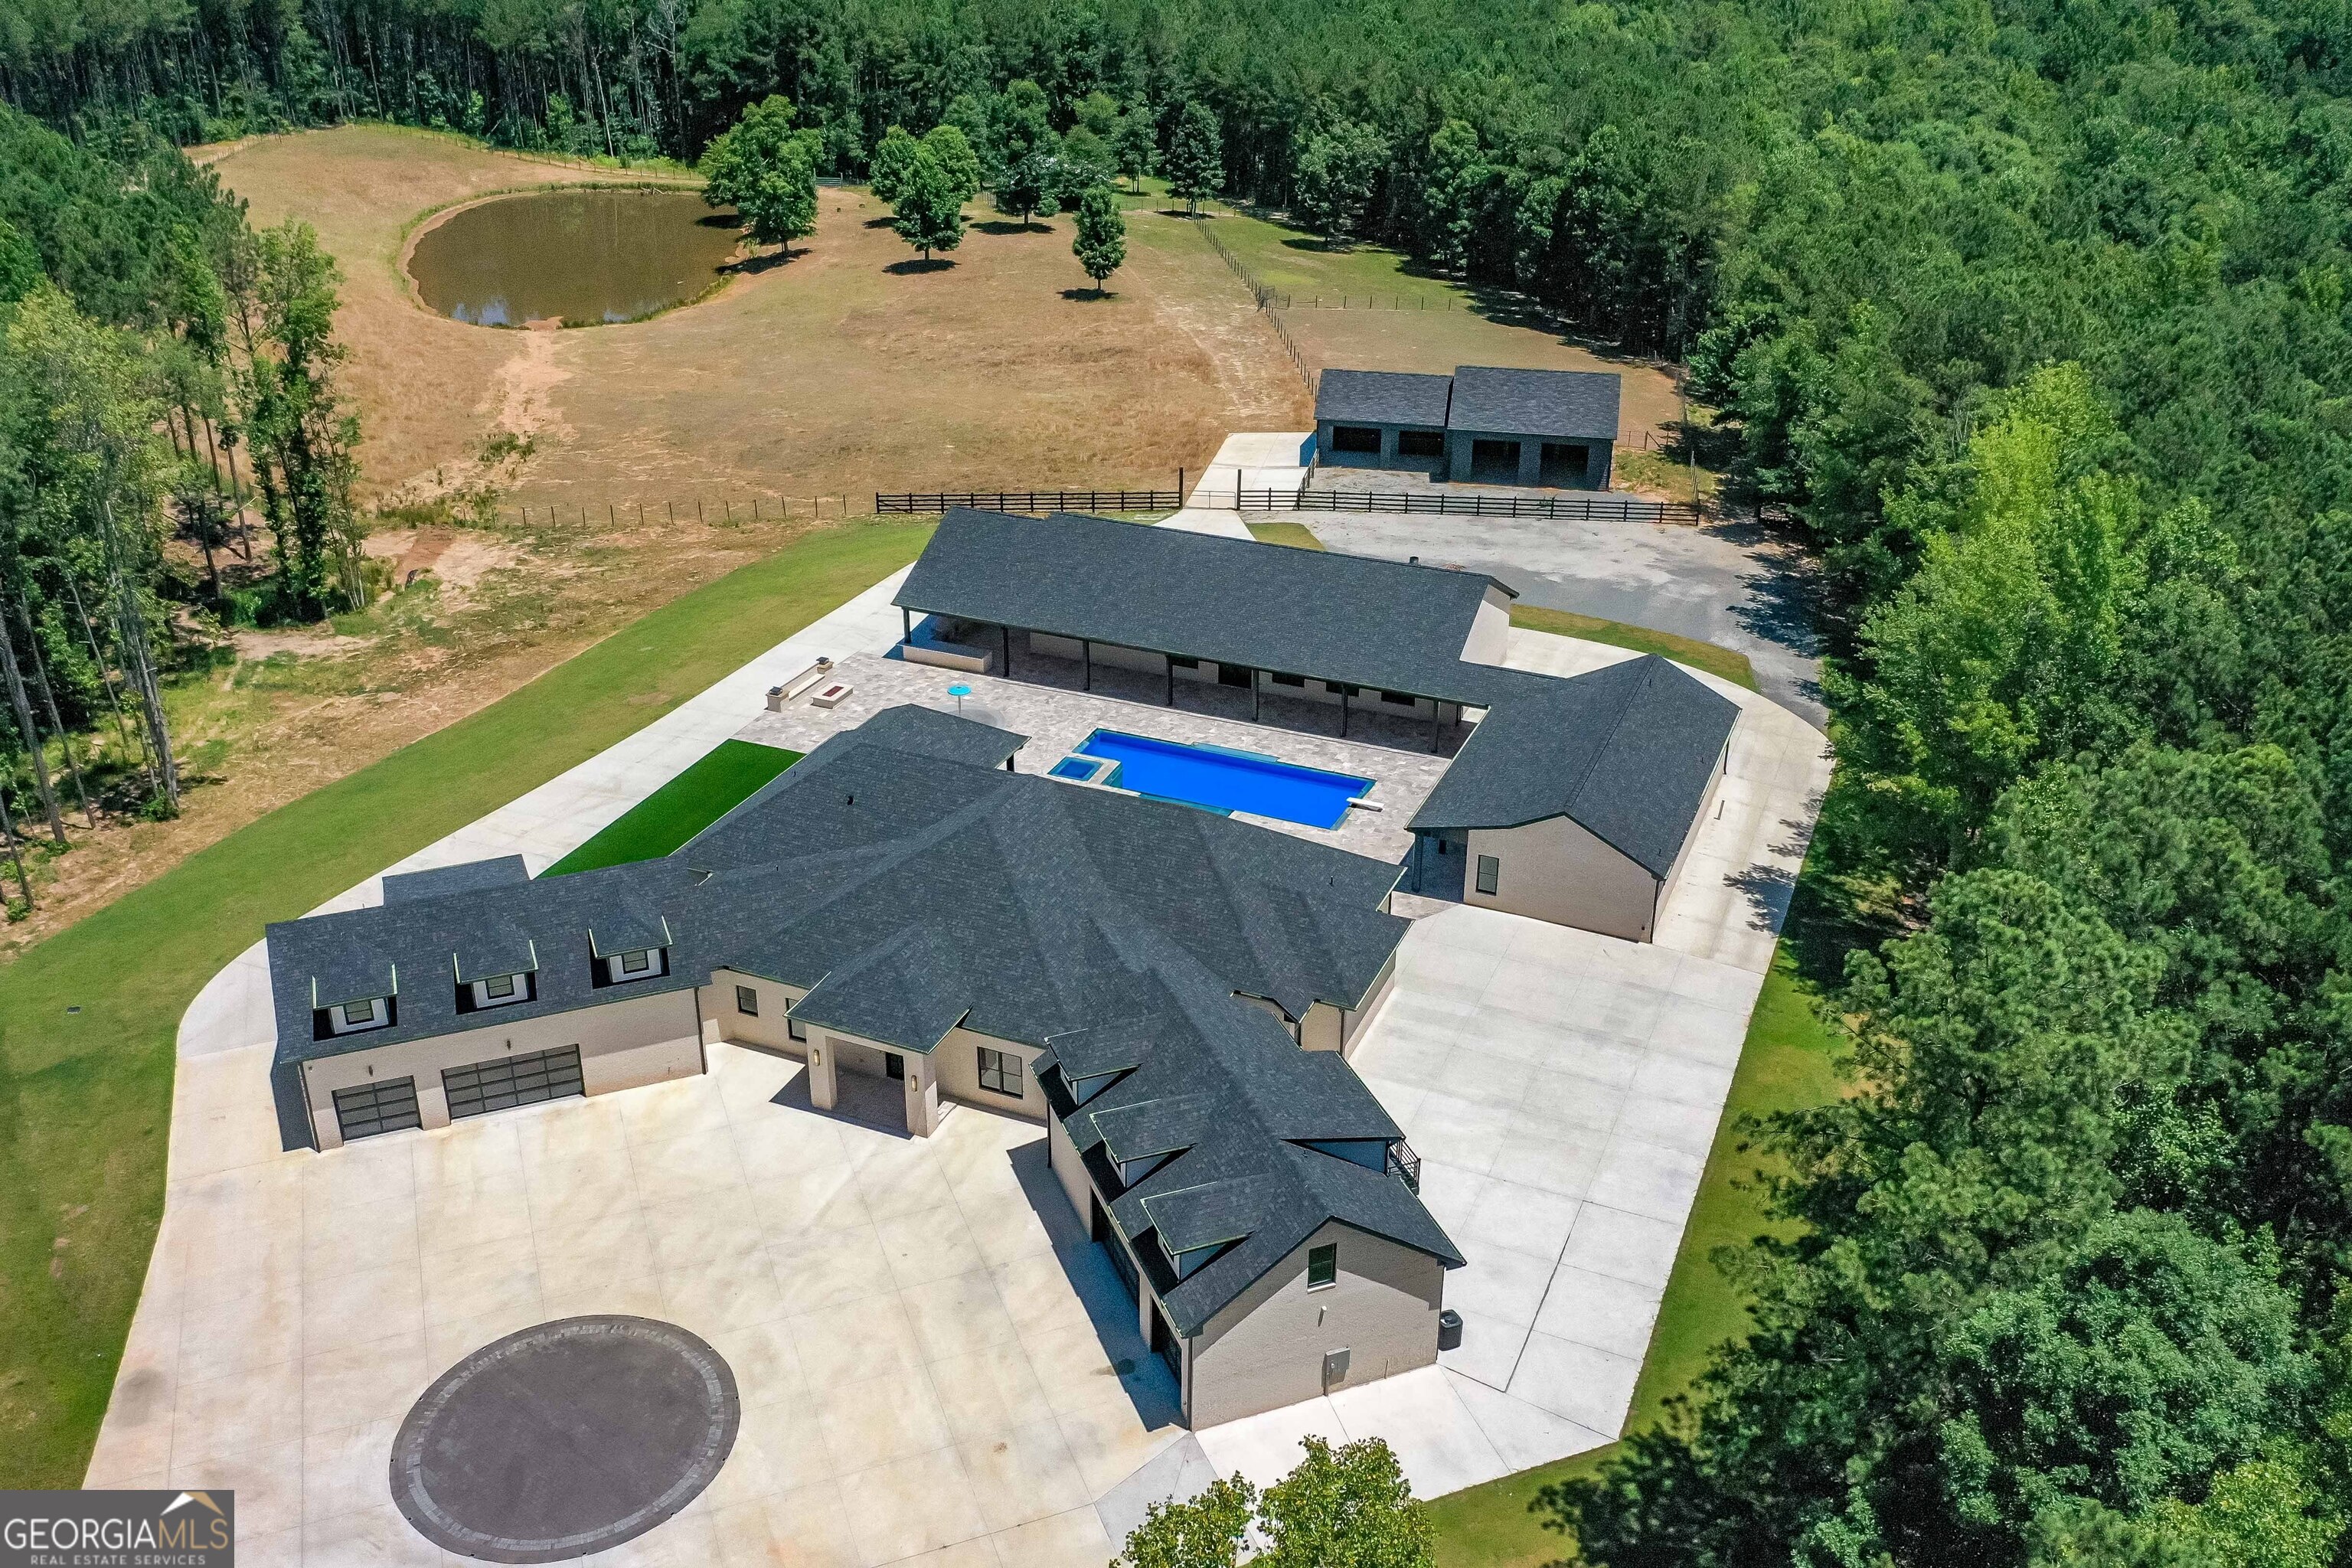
column 1227, row 781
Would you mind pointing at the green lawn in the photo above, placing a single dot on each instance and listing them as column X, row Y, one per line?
column 1286, row 260
column 718, row 781
column 1786, row 1063
column 1296, row 534
column 85, row 1095
column 1716, row 660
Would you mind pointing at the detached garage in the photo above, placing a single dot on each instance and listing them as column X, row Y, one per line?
column 1482, row 424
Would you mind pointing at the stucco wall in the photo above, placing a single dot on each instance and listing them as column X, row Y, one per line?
column 1063, row 1156
column 1110, row 655
column 957, row 1060
column 767, row 1028
column 1708, row 806
column 1265, row 1348
column 1555, row 870
column 622, row 1043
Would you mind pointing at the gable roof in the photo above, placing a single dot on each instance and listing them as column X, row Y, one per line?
column 1626, row 751
column 1577, row 403
column 1382, row 397
column 908, row 885
column 1300, row 612
column 503, row 871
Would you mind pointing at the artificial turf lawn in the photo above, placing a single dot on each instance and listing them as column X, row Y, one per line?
column 86, row 1099
column 1788, row 1062
column 1706, row 656
column 719, row 780
column 1296, row 534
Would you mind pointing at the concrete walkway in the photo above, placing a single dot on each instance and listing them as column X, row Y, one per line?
column 1560, row 1087
column 1254, row 460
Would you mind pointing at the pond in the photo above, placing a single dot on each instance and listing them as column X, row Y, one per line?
column 581, row 257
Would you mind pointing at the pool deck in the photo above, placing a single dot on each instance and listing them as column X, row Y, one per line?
column 1057, row 721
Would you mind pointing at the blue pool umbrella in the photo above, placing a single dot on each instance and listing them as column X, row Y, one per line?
column 959, row 691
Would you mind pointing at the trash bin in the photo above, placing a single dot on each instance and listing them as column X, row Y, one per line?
column 1449, row 1330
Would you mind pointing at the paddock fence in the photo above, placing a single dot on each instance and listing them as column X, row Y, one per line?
column 723, row 511
column 1264, row 296
column 921, row 503
column 1582, row 509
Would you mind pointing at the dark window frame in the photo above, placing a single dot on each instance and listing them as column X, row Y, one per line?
column 1281, row 679
column 490, row 983
column 1420, row 443
column 1323, row 1260
column 1490, row 874
column 747, row 1001
column 796, row 1030
column 1004, row 1070
column 501, row 1083
column 1402, row 698
column 1351, row 439
column 376, row 1106
column 367, row 1017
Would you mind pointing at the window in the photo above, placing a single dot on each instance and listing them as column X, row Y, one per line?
column 637, row 962
column 1322, row 1266
column 747, row 1001
column 1490, row 872
column 1355, row 438
column 1420, row 443
column 793, row 1030
column 359, row 1012
column 1000, row 1072
column 1288, row 679
column 498, row 987
column 1402, row 698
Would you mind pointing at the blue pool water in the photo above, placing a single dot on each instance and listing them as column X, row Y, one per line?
column 1227, row 781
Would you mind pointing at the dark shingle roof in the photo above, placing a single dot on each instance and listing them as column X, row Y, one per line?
column 1382, row 397
column 1575, row 403
column 1316, row 613
column 942, row 891
column 504, row 871
column 1626, row 751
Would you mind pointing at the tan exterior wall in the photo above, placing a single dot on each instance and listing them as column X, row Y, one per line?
column 1063, row 1156
column 1321, row 1029
column 624, row 1043
column 1352, row 1022
column 1110, row 655
column 957, row 1060
column 767, row 1028
column 1265, row 1348
column 1707, row 809
column 1554, row 870
column 1490, row 630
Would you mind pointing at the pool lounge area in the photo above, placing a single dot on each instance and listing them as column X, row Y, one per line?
column 1215, row 778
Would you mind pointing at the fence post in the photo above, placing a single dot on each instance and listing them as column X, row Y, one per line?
column 698, row 508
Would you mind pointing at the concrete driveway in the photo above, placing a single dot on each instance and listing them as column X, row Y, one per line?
column 935, row 1365
column 1727, row 582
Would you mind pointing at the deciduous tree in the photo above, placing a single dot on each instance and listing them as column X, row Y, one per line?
column 1101, row 243
column 1196, row 157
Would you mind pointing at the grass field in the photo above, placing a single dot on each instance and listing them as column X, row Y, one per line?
column 714, row 784
column 1379, row 311
column 843, row 370
column 1728, row 663
column 1787, row 1063
column 84, row 1095
column 1296, row 534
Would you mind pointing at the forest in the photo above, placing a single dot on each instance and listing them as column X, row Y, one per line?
column 2029, row 319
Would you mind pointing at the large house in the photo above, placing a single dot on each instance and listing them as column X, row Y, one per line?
column 1172, row 992
column 1482, row 424
column 1573, row 801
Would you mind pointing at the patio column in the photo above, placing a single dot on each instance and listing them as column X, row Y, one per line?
column 1254, row 697
column 906, row 623
column 1142, row 1304
column 1168, row 662
column 1087, row 653
column 821, row 1081
column 1343, row 711
column 1008, row 649
column 922, row 1094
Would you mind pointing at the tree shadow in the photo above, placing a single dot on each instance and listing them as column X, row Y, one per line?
column 1004, row 226
column 885, row 221
column 720, row 220
column 1179, row 212
column 766, row 261
column 1089, row 294
column 915, row 264
column 1320, row 248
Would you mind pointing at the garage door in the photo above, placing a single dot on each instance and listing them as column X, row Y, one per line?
column 512, row 1081
column 389, row 1105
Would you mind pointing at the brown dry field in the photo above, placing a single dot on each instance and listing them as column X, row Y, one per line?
column 829, row 373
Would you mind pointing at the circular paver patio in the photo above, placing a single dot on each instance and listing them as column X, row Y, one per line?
column 564, row 1439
